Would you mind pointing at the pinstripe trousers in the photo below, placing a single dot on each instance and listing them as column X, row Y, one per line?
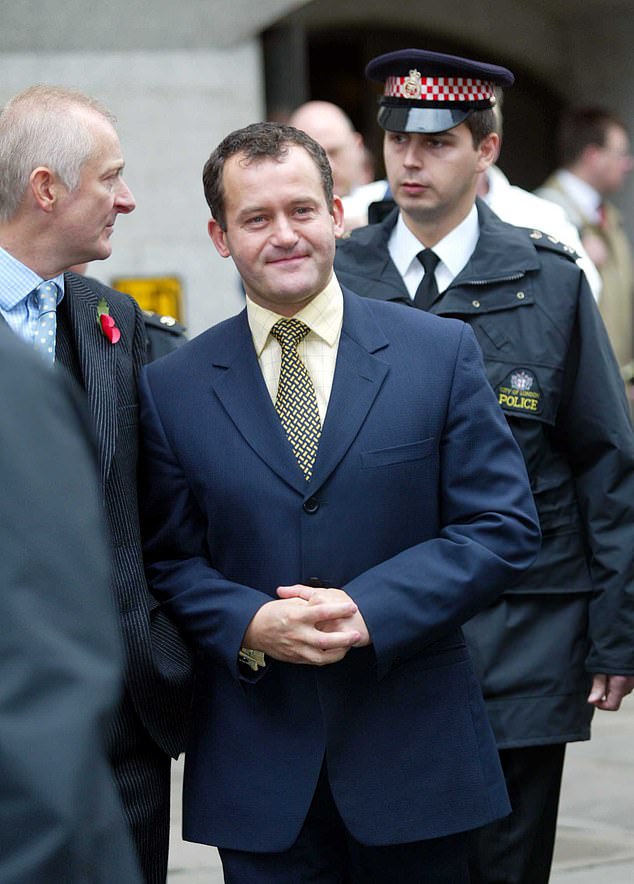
column 142, row 774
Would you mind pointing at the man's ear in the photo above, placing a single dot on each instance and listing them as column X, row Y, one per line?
column 45, row 187
column 337, row 216
column 489, row 150
column 218, row 238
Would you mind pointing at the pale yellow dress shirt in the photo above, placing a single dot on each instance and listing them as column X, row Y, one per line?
column 318, row 350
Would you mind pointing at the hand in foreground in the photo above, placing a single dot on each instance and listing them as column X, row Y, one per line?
column 326, row 595
column 608, row 691
column 287, row 629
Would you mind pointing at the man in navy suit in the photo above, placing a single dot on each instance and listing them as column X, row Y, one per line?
column 322, row 571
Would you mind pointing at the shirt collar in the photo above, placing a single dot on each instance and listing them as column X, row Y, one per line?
column 454, row 250
column 323, row 315
column 18, row 281
column 583, row 194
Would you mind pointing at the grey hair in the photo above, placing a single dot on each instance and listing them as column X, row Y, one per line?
column 39, row 127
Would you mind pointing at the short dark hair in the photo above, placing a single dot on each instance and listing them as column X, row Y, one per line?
column 256, row 142
column 582, row 127
column 481, row 123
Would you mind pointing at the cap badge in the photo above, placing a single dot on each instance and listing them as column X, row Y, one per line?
column 412, row 84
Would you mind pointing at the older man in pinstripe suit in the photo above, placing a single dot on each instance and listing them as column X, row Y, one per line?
column 61, row 190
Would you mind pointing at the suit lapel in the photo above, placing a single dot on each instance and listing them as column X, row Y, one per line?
column 97, row 362
column 359, row 375
column 241, row 389
column 358, row 378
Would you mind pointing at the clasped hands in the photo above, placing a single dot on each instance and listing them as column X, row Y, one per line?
column 307, row 625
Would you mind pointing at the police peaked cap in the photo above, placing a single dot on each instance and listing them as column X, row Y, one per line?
column 431, row 92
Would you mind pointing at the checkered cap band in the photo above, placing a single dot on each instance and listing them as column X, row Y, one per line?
column 417, row 88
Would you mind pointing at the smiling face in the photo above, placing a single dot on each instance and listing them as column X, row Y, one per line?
column 85, row 216
column 279, row 229
column 434, row 177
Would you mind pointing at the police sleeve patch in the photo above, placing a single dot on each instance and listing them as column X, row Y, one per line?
column 520, row 392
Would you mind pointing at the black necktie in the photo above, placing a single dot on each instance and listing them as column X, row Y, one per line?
column 427, row 291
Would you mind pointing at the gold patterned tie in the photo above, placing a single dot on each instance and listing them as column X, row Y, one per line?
column 296, row 401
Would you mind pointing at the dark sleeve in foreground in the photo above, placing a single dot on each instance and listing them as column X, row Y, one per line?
column 60, row 656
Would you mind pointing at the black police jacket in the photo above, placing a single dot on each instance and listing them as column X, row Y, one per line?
column 548, row 358
column 164, row 334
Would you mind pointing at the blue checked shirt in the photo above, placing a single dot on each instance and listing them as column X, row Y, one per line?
column 17, row 301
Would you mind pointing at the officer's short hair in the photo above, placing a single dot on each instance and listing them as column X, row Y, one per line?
column 481, row 123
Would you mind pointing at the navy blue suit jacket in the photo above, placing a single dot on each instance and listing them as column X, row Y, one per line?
column 418, row 507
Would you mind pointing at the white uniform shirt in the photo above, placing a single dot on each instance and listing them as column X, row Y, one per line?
column 454, row 251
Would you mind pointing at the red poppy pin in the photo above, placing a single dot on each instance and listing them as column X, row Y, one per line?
column 106, row 322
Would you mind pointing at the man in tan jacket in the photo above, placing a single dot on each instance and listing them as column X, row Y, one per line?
column 595, row 161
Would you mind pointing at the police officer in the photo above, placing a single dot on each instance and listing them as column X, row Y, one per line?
column 559, row 644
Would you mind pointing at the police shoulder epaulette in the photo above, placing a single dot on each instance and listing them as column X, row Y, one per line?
column 163, row 321
column 544, row 241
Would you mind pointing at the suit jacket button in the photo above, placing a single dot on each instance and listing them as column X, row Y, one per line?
column 311, row 505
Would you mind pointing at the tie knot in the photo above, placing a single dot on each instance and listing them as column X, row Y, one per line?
column 289, row 332
column 428, row 259
column 46, row 297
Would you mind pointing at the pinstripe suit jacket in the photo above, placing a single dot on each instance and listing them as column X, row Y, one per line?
column 158, row 665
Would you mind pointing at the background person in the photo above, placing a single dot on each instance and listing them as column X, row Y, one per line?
column 526, row 209
column 594, row 150
column 347, row 155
